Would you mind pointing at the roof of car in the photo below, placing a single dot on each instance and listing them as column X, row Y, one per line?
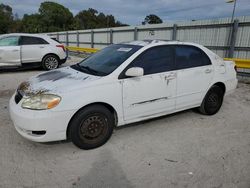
column 25, row 34
column 156, row 41
column 161, row 42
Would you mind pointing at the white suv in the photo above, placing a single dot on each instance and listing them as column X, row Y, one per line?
column 121, row 84
column 22, row 50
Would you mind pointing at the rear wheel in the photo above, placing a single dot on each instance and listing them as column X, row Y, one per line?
column 212, row 102
column 50, row 62
column 91, row 127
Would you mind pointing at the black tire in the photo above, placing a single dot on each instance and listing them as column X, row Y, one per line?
column 50, row 62
column 91, row 127
column 212, row 102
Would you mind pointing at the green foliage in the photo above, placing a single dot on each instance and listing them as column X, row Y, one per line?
column 52, row 17
column 55, row 17
column 6, row 18
column 91, row 19
column 152, row 19
column 31, row 23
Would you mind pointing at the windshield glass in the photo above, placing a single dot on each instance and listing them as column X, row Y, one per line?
column 107, row 60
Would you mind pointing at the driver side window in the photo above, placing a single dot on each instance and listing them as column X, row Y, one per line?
column 9, row 41
column 155, row 60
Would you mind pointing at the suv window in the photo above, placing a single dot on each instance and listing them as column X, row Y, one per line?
column 155, row 60
column 25, row 40
column 9, row 41
column 190, row 56
column 56, row 40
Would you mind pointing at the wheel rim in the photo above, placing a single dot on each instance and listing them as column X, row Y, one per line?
column 51, row 63
column 213, row 101
column 93, row 129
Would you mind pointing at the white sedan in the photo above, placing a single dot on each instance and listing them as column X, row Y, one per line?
column 121, row 84
column 30, row 50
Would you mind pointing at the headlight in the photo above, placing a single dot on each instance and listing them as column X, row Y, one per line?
column 41, row 102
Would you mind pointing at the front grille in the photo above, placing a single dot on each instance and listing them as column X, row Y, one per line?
column 18, row 97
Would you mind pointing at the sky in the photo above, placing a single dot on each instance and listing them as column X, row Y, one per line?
column 133, row 12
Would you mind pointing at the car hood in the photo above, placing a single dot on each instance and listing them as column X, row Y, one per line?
column 56, row 81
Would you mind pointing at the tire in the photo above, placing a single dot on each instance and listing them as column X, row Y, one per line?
column 91, row 127
column 50, row 62
column 212, row 102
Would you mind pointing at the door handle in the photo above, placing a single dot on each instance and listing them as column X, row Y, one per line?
column 15, row 50
column 208, row 71
column 41, row 46
column 170, row 76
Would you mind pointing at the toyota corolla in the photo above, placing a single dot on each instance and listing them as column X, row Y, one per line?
column 121, row 84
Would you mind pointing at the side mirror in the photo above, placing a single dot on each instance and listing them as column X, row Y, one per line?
column 134, row 72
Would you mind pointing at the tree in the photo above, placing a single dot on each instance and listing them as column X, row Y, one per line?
column 91, row 19
column 87, row 19
column 152, row 19
column 6, row 18
column 16, row 24
column 55, row 17
column 32, row 24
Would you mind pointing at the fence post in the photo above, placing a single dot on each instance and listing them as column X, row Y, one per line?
column 67, row 38
column 92, row 39
column 174, row 35
column 57, row 36
column 235, row 26
column 77, row 39
column 136, row 33
column 111, row 36
column 67, row 42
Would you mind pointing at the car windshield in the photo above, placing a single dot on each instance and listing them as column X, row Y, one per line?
column 107, row 60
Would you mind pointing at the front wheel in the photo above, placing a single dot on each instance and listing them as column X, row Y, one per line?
column 50, row 62
column 91, row 127
column 212, row 102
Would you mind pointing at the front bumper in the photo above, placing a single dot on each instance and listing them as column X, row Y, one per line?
column 32, row 124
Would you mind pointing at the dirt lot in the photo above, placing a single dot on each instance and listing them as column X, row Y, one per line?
column 182, row 150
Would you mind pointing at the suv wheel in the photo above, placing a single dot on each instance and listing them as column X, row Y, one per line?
column 50, row 62
column 212, row 102
column 91, row 127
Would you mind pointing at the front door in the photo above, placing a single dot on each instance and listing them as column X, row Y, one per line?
column 154, row 93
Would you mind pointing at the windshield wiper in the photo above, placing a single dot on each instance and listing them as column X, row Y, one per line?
column 90, row 70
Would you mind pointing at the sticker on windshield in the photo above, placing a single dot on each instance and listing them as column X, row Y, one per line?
column 124, row 49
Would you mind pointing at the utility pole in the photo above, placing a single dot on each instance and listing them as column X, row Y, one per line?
column 233, row 31
column 232, row 1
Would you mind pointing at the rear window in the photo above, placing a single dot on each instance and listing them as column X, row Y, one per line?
column 56, row 40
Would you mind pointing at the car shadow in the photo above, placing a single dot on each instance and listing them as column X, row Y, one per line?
column 19, row 69
column 156, row 118
column 140, row 123
column 106, row 171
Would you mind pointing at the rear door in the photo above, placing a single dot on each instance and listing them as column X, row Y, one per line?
column 32, row 49
column 194, row 75
column 10, row 51
column 153, row 93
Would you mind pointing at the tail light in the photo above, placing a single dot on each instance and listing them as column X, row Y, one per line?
column 61, row 46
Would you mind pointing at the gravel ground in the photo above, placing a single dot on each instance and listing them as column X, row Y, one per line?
column 186, row 150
